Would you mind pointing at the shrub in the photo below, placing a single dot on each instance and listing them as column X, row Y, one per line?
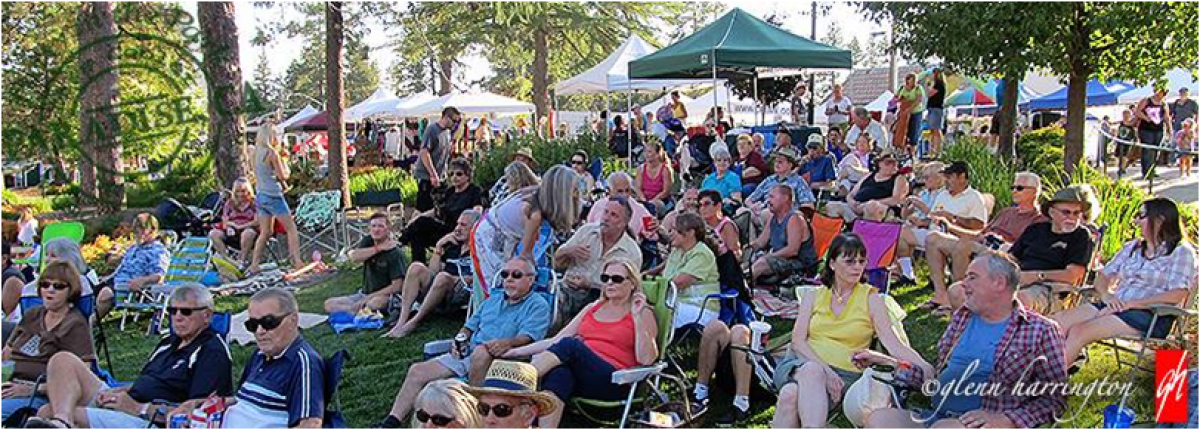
column 989, row 173
column 1041, row 151
column 187, row 179
column 548, row 152
column 13, row 201
column 383, row 179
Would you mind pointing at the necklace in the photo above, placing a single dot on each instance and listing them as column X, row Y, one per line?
column 840, row 298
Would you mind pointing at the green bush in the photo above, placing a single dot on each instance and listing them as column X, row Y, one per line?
column 187, row 180
column 548, row 152
column 1041, row 151
column 989, row 173
column 12, row 201
column 383, row 179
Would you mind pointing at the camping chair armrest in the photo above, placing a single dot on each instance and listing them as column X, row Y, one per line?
column 718, row 297
column 637, row 373
column 1163, row 310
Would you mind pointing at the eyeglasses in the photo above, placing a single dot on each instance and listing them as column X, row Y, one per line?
column 1066, row 212
column 516, row 275
column 502, row 410
column 438, row 420
column 616, row 279
column 1017, row 188
column 57, row 286
column 268, row 323
column 457, row 173
column 707, row 203
column 187, row 312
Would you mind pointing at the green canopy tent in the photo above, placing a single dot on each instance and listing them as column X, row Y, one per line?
column 735, row 46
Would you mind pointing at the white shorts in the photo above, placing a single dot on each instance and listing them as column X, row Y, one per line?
column 688, row 313
column 460, row 366
column 921, row 234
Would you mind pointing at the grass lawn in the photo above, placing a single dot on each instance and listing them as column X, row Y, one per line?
column 377, row 366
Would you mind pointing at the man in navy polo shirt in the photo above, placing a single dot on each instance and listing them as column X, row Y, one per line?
column 192, row 363
column 282, row 385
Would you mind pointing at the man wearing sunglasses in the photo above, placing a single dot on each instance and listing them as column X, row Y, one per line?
column 942, row 249
column 283, row 384
column 383, row 269
column 508, row 398
column 191, row 363
column 507, row 319
column 592, row 246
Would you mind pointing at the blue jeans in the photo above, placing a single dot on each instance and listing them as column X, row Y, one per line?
column 582, row 373
column 914, row 129
column 11, row 405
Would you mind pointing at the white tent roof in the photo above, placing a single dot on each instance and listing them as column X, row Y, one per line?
column 298, row 116
column 380, row 102
column 476, row 103
column 1176, row 79
column 880, row 103
column 612, row 74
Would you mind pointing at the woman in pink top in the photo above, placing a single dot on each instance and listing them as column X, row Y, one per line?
column 654, row 179
column 616, row 332
column 237, row 220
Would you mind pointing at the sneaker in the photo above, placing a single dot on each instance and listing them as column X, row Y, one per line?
column 733, row 417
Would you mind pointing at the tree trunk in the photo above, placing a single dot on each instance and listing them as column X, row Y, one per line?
column 1007, row 118
column 226, row 126
column 99, row 133
column 445, row 74
column 334, row 36
column 1076, row 110
column 541, row 74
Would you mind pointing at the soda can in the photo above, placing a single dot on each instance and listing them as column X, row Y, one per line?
column 178, row 421
column 462, row 345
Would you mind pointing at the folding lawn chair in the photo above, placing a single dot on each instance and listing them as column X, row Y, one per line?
column 334, row 364
column 881, row 239
column 319, row 221
column 72, row 230
column 546, row 281
column 189, row 262
column 824, row 229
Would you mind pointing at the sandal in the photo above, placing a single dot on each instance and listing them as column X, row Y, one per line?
column 46, row 423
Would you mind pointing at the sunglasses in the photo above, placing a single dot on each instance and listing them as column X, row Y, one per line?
column 854, row 260
column 187, row 312
column 268, row 323
column 438, row 420
column 502, row 410
column 616, row 279
column 457, row 173
column 517, row 275
column 707, row 203
column 57, row 286
column 1066, row 212
column 1020, row 188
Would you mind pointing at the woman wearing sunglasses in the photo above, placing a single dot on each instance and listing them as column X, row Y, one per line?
column 1157, row 268
column 616, row 332
column 586, row 183
column 44, row 331
column 446, row 404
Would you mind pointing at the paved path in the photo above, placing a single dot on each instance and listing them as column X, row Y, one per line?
column 1167, row 184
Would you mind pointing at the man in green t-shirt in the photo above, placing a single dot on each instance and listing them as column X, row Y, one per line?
column 383, row 269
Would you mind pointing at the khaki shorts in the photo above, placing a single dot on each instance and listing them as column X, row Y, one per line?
column 1042, row 299
column 785, row 374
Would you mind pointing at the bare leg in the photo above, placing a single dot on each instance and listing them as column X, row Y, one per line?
column 1070, row 318
column 908, row 242
column 217, row 239
column 712, row 342
column 418, row 376
column 343, row 304
column 936, row 251
column 70, row 385
column 960, row 258
column 443, row 285
column 104, row 302
column 740, row 335
column 785, row 408
column 812, row 396
column 552, row 421
column 1105, row 327
column 293, row 240
column 481, row 360
column 415, row 281
column 760, row 268
column 957, row 297
column 266, row 224
column 12, row 294
column 249, row 236
column 892, row 418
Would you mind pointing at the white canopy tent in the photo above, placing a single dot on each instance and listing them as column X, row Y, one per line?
column 880, row 103
column 297, row 117
column 1176, row 79
column 612, row 74
column 471, row 103
column 380, row 102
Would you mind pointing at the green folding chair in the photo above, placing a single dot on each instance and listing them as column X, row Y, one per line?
column 72, row 230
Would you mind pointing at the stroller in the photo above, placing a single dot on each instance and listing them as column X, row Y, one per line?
column 186, row 220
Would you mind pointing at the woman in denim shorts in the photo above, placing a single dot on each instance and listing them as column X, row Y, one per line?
column 272, row 174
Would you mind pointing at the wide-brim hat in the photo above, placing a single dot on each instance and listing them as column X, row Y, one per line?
column 525, row 152
column 1077, row 193
column 514, row 378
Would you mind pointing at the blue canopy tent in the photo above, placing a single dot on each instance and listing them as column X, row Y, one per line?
column 1098, row 94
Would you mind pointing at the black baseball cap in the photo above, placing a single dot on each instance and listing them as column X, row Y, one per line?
column 958, row 167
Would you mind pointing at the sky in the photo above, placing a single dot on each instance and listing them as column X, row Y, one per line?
column 284, row 52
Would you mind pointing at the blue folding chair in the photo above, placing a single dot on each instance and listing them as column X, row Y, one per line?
column 333, row 376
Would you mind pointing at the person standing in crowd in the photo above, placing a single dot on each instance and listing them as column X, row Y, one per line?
column 936, row 115
column 799, row 108
column 678, row 110
column 272, row 173
column 446, row 404
column 1185, row 140
column 237, row 221
column 1153, row 118
column 517, row 175
column 1183, row 108
column 992, row 340
column 1102, row 141
column 434, row 155
column 911, row 100
column 837, row 108
column 1126, row 132
column 383, row 269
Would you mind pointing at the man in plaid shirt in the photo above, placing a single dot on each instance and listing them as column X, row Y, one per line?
column 1000, row 364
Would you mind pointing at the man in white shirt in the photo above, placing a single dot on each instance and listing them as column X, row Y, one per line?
column 959, row 210
column 863, row 123
column 837, row 108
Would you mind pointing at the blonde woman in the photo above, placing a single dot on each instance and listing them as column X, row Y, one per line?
column 516, row 222
column 517, row 175
column 238, row 221
column 272, row 174
column 446, row 404
column 616, row 332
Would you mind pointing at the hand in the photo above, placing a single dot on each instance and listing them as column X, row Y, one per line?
column 637, row 303
column 387, row 245
column 979, row 419
column 866, row 358
column 497, row 348
column 15, row 389
column 229, row 232
column 580, row 253
column 118, row 401
column 435, row 181
column 185, row 408
column 1113, row 306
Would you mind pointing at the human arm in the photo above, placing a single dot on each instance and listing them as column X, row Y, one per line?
column 957, row 225
column 764, row 235
column 367, row 249
column 645, row 328
column 1069, row 275
column 570, row 330
column 729, row 235
column 899, row 191
column 1140, row 110
column 533, row 223
column 886, row 329
column 801, row 348
column 427, row 160
column 668, row 181
column 1173, row 297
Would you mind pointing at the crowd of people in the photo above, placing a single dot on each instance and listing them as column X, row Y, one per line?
column 746, row 221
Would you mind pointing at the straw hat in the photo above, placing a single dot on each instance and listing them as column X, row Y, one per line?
column 517, row 379
column 524, row 151
column 1077, row 193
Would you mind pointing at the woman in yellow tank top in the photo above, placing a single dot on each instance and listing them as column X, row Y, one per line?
column 833, row 325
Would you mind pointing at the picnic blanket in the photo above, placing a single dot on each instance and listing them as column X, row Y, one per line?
column 273, row 278
column 771, row 305
column 238, row 333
